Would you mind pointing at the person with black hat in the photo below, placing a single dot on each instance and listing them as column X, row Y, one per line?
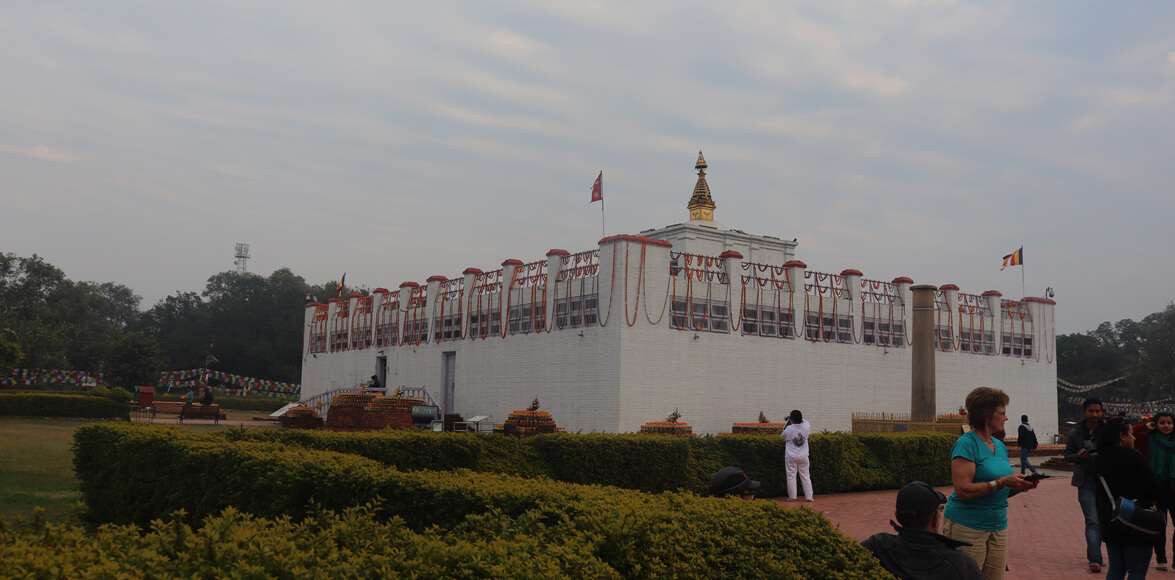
column 918, row 551
column 732, row 481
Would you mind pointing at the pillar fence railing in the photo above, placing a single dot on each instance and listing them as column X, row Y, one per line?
column 883, row 314
column 485, row 305
column 699, row 293
column 824, row 318
column 563, row 291
column 361, row 323
column 448, row 310
column 387, row 318
column 976, row 332
column 944, row 323
column 1016, row 329
column 318, row 328
column 768, row 305
column 340, row 324
column 527, row 303
column 577, row 290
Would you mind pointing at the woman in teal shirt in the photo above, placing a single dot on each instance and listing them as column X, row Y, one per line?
column 977, row 511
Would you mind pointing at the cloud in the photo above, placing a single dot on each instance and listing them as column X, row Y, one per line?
column 39, row 152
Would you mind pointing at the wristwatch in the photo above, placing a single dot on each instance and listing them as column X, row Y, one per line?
column 993, row 484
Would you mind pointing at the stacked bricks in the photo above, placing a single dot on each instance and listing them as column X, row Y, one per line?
column 346, row 412
column 530, row 421
column 672, row 425
column 760, row 427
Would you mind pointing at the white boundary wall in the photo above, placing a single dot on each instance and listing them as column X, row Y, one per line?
column 615, row 377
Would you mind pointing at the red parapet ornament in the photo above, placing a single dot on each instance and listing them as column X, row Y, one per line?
column 946, row 287
column 795, row 264
column 996, row 293
column 410, row 285
column 474, row 271
column 511, row 262
column 558, row 252
column 851, row 272
column 731, row 254
column 903, row 280
column 438, row 278
column 380, row 291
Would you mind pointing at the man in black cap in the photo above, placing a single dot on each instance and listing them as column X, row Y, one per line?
column 918, row 551
column 732, row 481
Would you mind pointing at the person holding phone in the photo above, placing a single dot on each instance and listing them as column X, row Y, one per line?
column 1081, row 449
column 977, row 511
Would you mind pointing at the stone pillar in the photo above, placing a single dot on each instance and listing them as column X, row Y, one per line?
column 922, row 376
column 510, row 269
column 469, row 302
column 431, row 296
column 795, row 277
column 732, row 265
column 902, row 285
column 554, row 267
column 852, row 277
column 406, row 290
column 951, row 291
column 993, row 298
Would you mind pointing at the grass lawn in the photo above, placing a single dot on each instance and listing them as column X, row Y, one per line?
column 36, row 467
column 36, row 463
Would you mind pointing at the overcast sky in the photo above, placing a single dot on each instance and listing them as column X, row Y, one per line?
column 393, row 141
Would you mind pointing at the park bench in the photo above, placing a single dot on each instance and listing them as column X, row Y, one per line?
column 195, row 411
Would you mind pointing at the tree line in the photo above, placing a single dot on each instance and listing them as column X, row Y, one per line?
column 1143, row 351
column 250, row 324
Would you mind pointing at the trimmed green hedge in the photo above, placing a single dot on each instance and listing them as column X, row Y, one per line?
column 840, row 461
column 134, row 473
column 62, row 405
column 267, row 404
column 327, row 545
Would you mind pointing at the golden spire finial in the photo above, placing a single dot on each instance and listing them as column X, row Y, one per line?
column 701, row 206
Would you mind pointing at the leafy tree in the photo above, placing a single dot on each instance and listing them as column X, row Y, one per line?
column 10, row 353
column 134, row 360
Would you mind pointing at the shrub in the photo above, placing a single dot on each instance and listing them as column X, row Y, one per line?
column 840, row 461
column 266, row 404
column 114, row 393
column 62, row 405
column 134, row 473
column 327, row 544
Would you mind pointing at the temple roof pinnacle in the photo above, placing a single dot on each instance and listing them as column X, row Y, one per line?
column 701, row 205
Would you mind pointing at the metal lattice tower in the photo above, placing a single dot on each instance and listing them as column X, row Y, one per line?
column 242, row 257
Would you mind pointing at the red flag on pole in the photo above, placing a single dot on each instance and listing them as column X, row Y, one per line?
column 598, row 188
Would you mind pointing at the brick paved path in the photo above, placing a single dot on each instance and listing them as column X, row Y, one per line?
column 1045, row 528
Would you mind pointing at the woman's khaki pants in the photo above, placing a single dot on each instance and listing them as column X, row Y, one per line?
column 988, row 549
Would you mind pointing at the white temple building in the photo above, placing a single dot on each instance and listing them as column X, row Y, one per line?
column 715, row 322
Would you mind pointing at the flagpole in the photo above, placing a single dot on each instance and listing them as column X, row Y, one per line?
column 603, row 232
column 1023, row 293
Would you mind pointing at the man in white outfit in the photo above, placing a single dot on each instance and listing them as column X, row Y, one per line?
column 796, row 435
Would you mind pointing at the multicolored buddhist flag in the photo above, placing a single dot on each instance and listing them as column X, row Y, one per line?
column 598, row 188
column 1014, row 259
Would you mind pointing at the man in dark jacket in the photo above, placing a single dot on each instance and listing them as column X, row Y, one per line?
column 1026, row 441
column 1081, row 449
column 918, row 551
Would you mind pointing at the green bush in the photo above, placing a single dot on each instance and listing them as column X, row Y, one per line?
column 325, row 545
column 62, row 405
column 266, row 404
column 840, row 461
column 114, row 393
column 135, row 473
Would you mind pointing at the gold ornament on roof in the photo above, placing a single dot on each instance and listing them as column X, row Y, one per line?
column 701, row 205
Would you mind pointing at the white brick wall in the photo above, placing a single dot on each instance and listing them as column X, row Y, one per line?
column 616, row 377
